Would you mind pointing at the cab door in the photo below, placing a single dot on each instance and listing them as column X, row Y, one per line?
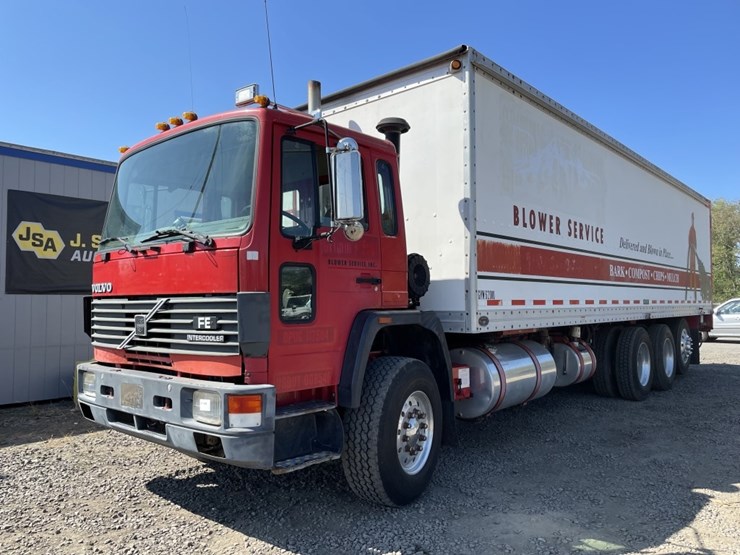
column 392, row 237
column 318, row 281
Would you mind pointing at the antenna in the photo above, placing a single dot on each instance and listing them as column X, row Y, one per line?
column 190, row 57
column 269, row 49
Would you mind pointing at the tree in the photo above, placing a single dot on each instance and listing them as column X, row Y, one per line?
column 726, row 249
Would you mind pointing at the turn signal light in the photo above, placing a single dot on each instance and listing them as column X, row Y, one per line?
column 245, row 411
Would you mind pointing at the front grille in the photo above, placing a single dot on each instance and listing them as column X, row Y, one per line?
column 170, row 328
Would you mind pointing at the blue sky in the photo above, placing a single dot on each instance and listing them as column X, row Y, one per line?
column 660, row 76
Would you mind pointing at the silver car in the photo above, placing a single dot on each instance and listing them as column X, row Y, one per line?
column 726, row 320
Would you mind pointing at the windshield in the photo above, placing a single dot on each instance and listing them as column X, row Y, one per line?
column 200, row 181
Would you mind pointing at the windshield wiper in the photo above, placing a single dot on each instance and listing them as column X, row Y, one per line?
column 174, row 232
column 122, row 240
column 128, row 247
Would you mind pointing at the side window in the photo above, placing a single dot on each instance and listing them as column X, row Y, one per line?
column 305, row 188
column 298, row 202
column 388, row 217
column 297, row 293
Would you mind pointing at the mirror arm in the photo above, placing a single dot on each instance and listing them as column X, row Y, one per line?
column 301, row 243
column 321, row 122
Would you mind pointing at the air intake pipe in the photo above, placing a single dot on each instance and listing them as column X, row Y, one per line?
column 393, row 128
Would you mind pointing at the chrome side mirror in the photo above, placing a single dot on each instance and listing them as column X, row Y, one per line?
column 346, row 165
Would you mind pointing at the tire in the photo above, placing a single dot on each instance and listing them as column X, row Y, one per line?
column 684, row 344
column 605, row 349
column 634, row 364
column 418, row 277
column 696, row 348
column 399, row 399
column 664, row 356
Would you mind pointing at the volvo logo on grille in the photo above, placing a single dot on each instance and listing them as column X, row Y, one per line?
column 140, row 325
column 205, row 323
column 106, row 287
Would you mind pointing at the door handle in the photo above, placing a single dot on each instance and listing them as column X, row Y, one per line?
column 370, row 280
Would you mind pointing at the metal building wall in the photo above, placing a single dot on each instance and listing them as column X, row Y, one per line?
column 41, row 336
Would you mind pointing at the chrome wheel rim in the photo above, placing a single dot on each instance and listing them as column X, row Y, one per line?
column 685, row 345
column 415, row 432
column 669, row 361
column 643, row 364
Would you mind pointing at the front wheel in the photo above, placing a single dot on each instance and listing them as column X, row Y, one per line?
column 392, row 439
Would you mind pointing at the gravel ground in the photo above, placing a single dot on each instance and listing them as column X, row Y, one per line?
column 570, row 473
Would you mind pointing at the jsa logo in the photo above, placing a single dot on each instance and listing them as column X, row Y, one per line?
column 45, row 243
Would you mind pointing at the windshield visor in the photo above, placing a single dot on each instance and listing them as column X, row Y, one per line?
column 202, row 182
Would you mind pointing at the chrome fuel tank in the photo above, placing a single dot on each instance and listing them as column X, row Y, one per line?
column 504, row 375
column 575, row 362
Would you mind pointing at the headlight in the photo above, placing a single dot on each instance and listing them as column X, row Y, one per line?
column 207, row 407
column 88, row 384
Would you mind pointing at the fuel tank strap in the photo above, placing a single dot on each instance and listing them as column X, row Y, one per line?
column 537, row 367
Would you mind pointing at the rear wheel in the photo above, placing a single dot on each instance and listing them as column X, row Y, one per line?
column 664, row 357
column 393, row 438
column 605, row 348
column 684, row 344
column 634, row 363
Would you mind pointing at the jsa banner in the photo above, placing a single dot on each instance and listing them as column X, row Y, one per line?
column 51, row 241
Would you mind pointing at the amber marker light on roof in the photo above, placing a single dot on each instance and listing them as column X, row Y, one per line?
column 175, row 122
column 122, row 149
column 262, row 100
column 162, row 126
column 190, row 116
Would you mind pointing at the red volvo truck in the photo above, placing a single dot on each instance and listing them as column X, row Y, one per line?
column 275, row 288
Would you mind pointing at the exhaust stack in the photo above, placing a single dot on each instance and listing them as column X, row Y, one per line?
column 314, row 99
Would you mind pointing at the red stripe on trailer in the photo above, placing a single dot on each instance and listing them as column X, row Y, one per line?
column 539, row 261
column 493, row 302
column 518, row 302
column 557, row 301
column 574, row 301
column 615, row 302
column 602, row 301
column 539, row 302
column 589, row 301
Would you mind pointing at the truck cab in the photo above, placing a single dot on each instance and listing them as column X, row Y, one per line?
column 232, row 305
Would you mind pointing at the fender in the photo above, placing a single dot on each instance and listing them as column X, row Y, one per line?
column 418, row 334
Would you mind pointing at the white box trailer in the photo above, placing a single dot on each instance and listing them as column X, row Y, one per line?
column 529, row 216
